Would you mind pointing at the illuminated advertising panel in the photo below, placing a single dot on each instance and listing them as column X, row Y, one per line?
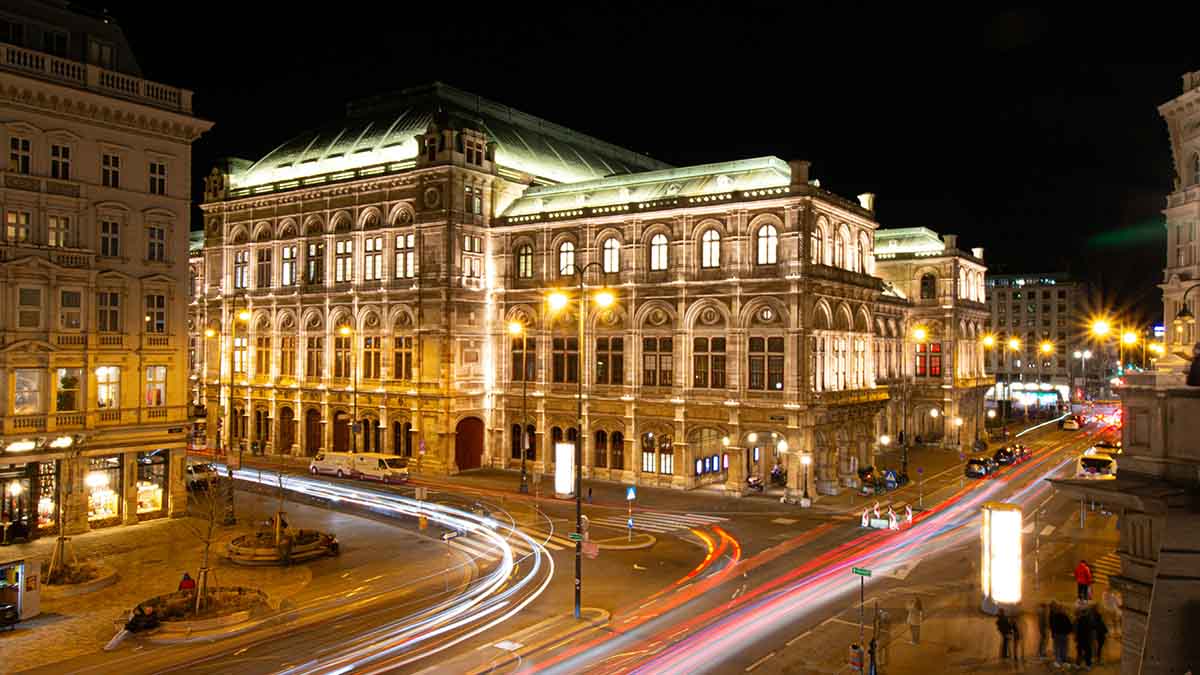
column 564, row 469
column 1001, row 553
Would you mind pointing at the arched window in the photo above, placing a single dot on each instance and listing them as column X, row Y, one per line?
column 525, row 262
column 658, row 252
column 816, row 247
column 710, row 249
column 649, row 455
column 617, row 443
column 612, row 255
column 928, row 287
column 601, row 449
column 516, row 440
column 768, row 245
column 566, row 259
column 864, row 253
column 839, row 250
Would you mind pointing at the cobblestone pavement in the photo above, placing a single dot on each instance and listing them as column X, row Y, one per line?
column 151, row 557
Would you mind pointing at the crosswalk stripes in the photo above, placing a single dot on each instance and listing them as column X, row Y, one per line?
column 659, row 522
column 1104, row 568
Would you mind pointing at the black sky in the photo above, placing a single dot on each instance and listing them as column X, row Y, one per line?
column 1032, row 133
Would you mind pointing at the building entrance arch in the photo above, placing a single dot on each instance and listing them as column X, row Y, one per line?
column 341, row 432
column 312, row 432
column 468, row 443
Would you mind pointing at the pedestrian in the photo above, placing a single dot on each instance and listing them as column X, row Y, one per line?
column 1018, row 655
column 1193, row 376
column 1043, row 626
column 589, row 495
column 187, row 583
column 1100, row 631
column 1060, row 632
column 1005, row 627
column 1112, row 607
column 1083, row 580
column 1083, row 638
column 916, row 614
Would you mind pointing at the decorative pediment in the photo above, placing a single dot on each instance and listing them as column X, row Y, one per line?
column 157, row 278
column 33, row 346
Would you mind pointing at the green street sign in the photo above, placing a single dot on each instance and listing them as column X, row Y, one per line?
column 862, row 572
column 574, row 536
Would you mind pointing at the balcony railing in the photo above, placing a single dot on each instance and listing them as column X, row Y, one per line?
column 94, row 78
column 24, row 423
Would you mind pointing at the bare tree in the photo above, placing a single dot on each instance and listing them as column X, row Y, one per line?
column 206, row 515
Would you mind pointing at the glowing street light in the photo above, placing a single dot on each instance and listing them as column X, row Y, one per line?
column 1129, row 337
column 934, row 412
column 1014, row 344
column 1101, row 327
column 557, row 301
column 920, row 333
column 1046, row 347
column 991, row 414
column 989, row 341
column 604, row 299
column 885, row 440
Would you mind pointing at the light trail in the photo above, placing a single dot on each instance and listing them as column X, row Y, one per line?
column 725, row 630
column 486, row 602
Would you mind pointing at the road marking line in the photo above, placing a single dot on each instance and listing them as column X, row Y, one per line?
column 798, row 637
column 1028, row 529
column 759, row 662
column 1047, row 530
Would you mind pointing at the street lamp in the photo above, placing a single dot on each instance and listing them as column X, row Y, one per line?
column 805, row 461
column 1128, row 339
column 1083, row 356
column 920, row 335
column 345, row 331
column 1046, row 348
column 1014, row 345
column 517, row 330
column 558, row 301
column 242, row 315
column 958, row 422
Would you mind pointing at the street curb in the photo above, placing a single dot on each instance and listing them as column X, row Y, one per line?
column 519, row 655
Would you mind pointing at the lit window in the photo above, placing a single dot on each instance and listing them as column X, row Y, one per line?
column 156, row 386
column 108, row 387
column 315, row 264
column 612, row 256
column 566, row 259
column 525, row 262
column 710, row 249
column 343, row 261
column 405, row 256
column 766, row 363
column 17, row 229
column 59, row 231
column 373, row 258
column 768, row 245
column 287, row 271
column 658, row 252
column 241, row 263
column 67, row 396
column 156, row 313
column 816, row 247
column 27, row 392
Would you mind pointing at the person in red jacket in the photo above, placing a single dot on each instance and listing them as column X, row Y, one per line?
column 1083, row 578
column 187, row 583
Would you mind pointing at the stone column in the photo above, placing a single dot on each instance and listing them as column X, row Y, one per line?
column 326, row 426
column 129, row 488
column 388, row 446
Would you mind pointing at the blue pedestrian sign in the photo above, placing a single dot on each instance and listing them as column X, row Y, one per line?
column 630, row 493
column 630, row 523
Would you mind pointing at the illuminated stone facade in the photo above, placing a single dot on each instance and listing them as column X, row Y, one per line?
column 95, row 202
column 747, row 302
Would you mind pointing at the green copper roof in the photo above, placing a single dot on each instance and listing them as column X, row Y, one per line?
column 908, row 240
column 688, row 181
column 382, row 129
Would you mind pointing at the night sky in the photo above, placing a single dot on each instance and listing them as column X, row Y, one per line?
column 1032, row 133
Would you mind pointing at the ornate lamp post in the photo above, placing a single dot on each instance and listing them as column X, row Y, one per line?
column 1014, row 345
column 558, row 301
column 244, row 317
column 920, row 336
column 517, row 330
column 805, row 462
column 1046, row 348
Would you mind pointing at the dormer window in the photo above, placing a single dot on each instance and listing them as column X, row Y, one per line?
column 431, row 149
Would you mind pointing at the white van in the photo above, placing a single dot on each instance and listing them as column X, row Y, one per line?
column 338, row 464
column 380, row 467
column 376, row 466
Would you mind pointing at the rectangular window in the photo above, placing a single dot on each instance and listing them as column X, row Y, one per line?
column 108, row 387
column 405, row 252
column 109, row 311
column 18, row 154
column 241, row 264
column 315, row 264
column 27, row 392
column 341, row 357
column 158, row 178
column 765, row 363
column 343, row 255
column 287, row 356
column 54, row 42
column 110, row 170
column 240, row 360
column 17, row 229
column 929, row 359
column 60, row 162
column 67, row 397
column 314, row 362
column 473, row 200
column 70, row 303
column 373, row 258
column 263, row 278
column 566, row 359
column 708, row 363
column 649, row 461
column 156, row 243
column 519, row 354
column 58, row 230
column 262, row 356
column 610, row 360
column 372, row 357
column 110, row 238
column 402, row 357
column 156, row 313
column 658, row 362
column 102, row 54
column 156, row 386
column 29, row 308
column 287, row 270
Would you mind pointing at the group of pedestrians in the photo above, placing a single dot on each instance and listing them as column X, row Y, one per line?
column 1087, row 625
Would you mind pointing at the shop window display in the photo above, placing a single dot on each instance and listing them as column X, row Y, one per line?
column 103, row 484
column 47, row 484
column 151, row 482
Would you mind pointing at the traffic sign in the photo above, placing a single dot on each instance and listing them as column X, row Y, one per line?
column 861, row 571
column 630, row 493
column 574, row 536
column 629, row 523
column 447, row 536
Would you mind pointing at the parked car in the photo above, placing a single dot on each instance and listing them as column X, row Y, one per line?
column 1108, row 446
column 1095, row 466
column 380, row 467
column 340, row 464
column 1071, row 424
column 200, row 475
column 977, row 467
column 1021, row 453
column 868, row 480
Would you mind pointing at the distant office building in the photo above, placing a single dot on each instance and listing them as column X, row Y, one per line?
column 95, row 202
